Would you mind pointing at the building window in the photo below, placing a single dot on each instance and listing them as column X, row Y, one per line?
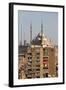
column 37, row 65
column 37, row 57
column 38, row 69
column 45, row 75
column 37, row 53
column 30, row 69
column 45, row 58
column 37, row 76
column 37, row 60
column 29, row 57
column 45, row 66
column 45, row 52
column 29, row 53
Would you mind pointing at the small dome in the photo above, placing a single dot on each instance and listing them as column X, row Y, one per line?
column 39, row 34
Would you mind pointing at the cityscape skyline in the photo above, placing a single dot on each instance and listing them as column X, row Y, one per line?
column 50, row 25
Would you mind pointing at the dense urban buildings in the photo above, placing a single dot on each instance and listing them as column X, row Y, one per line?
column 39, row 59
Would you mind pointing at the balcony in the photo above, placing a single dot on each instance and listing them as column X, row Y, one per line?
column 45, row 67
column 29, row 76
column 38, row 69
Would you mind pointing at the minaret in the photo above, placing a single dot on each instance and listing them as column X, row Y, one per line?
column 41, row 27
column 30, row 32
column 21, row 36
column 24, row 40
column 41, row 32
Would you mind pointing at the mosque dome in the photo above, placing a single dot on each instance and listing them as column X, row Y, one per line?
column 41, row 39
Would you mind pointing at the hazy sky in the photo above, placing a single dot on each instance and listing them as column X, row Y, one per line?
column 50, row 24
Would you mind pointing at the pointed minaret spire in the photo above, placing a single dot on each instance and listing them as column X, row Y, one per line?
column 21, row 35
column 41, row 32
column 41, row 26
column 30, row 32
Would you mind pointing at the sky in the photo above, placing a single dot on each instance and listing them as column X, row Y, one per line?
column 50, row 25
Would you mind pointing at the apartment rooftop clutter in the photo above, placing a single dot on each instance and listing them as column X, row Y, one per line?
column 37, row 59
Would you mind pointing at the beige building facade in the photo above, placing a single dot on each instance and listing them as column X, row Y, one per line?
column 38, row 61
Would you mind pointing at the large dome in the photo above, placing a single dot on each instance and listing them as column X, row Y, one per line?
column 41, row 39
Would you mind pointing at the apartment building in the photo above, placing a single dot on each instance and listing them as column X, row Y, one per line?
column 39, row 59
